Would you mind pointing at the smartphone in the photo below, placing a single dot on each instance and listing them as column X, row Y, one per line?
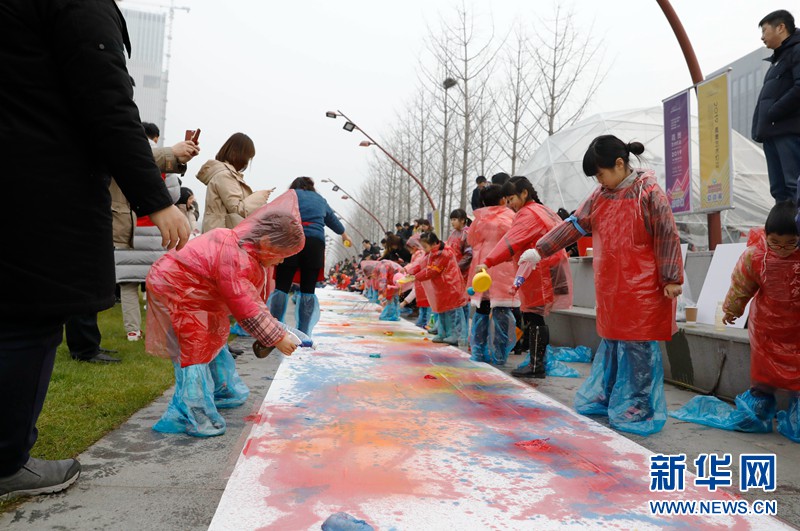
column 193, row 135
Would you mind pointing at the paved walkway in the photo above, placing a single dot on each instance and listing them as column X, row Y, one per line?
column 137, row 479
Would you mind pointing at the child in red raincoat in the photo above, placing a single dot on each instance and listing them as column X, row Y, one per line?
column 638, row 272
column 769, row 273
column 547, row 287
column 417, row 294
column 443, row 283
column 493, row 331
column 192, row 293
column 389, row 291
column 457, row 241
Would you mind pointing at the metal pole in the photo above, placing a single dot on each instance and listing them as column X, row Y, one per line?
column 419, row 183
column 359, row 204
column 350, row 225
column 714, row 218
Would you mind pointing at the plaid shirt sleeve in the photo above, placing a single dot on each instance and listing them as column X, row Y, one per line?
column 743, row 285
column 566, row 233
column 265, row 328
column 660, row 222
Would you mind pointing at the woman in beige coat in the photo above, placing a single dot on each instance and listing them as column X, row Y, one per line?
column 229, row 199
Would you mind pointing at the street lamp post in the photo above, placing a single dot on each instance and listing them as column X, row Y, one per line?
column 350, row 225
column 336, row 188
column 350, row 126
column 713, row 218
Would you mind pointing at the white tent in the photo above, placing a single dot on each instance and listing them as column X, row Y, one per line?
column 555, row 170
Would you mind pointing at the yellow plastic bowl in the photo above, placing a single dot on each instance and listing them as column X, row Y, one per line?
column 481, row 281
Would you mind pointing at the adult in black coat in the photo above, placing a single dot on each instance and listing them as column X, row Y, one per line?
column 67, row 122
column 475, row 201
column 776, row 119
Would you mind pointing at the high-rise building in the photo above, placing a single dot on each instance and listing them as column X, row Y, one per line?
column 747, row 77
column 146, row 66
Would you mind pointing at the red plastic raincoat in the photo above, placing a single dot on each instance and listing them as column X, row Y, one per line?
column 442, row 280
column 631, row 305
column 418, row 261
column 386, row 272
column 457, row 242
column 369, row 267
column 549, row 286
column 192, row 292
column 774, row 285
column 490, row 225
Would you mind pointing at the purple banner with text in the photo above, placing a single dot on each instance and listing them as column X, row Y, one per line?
column 677, row 152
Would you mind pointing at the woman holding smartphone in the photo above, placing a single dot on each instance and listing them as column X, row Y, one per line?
column 229, row 199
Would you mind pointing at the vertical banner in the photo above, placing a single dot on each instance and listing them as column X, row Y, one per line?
column 716, row 162
column 677, row 152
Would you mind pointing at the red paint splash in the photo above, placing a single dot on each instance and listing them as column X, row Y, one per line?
column 430, row 377
column 256, row 418
column 535, row 444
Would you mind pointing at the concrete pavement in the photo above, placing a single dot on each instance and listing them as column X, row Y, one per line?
column 135, row 478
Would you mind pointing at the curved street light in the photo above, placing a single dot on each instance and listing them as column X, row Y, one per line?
column 350, row 125
column 350, row 225
column 714, row 219
column 336, row 188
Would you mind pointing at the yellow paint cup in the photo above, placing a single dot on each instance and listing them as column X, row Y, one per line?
column 481, row 281
column 347, row 243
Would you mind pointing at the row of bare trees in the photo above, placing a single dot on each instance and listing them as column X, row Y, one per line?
column 483, row 104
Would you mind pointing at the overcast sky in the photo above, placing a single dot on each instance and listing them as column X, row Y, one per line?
column 272, row 69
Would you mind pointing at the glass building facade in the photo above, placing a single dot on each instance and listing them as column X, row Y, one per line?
column 147, row 31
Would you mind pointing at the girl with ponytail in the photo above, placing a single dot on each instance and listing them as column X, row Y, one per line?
column 638, row 272
column 547, row 287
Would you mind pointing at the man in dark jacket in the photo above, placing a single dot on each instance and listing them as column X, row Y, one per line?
column 62, row 65
column 776, row 121
column 475, row 202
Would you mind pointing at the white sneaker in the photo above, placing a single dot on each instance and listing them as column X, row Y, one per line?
column 135, row 336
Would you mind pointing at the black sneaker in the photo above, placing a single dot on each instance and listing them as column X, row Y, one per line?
column 39, row 476
column 235, row 351
column 98, row 358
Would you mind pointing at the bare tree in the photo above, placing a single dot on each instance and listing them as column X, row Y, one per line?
column 461, row 58
column 471, row 61
column 514, row 107
column 487, row 138
column 568, row 64
column 421, row 140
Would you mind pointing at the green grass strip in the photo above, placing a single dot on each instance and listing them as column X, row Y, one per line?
column 85, row 401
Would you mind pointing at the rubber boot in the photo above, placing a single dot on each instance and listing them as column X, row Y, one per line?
column 307, row 313
column 521, row 346
column 539, row 338
column 277, row 302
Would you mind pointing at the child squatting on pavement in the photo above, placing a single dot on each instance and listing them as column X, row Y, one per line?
column 192, row 293
column 768, row 272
